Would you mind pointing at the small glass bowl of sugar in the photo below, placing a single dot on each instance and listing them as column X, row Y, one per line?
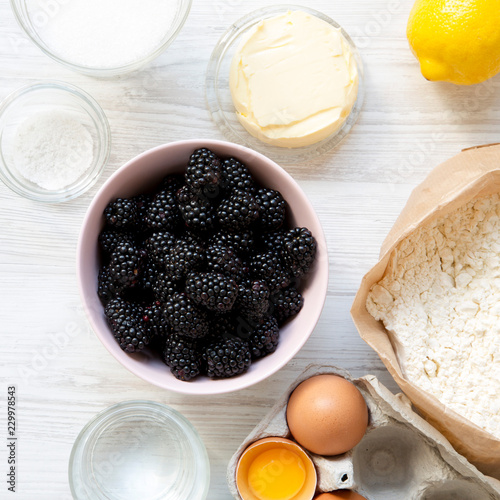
column 102, row 38
column 54, row 141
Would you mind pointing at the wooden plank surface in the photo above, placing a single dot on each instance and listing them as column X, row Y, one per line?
column 406, row 127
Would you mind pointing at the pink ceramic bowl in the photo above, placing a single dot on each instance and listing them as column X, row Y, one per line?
column 145, row 172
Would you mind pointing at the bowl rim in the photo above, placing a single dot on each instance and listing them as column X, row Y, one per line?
column 102, row 129
column 242, row 136
column 111, row 71
column 219, row 386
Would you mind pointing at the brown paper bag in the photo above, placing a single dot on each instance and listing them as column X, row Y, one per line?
column 472, row 173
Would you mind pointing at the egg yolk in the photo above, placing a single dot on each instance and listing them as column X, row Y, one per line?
column 276, row 474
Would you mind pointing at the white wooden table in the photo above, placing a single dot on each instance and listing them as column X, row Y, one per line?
column 63, row 379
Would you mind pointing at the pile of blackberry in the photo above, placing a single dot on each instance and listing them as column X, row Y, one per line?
column 204, row 270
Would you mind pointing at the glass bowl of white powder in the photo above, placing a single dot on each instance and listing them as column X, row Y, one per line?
column 102, row 38
column 54, row 141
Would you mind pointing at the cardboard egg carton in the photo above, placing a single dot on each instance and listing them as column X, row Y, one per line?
column 401, row 456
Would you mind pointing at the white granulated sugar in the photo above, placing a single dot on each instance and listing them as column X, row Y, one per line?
column 52, row 149
column 440, row 301
column 104, row 33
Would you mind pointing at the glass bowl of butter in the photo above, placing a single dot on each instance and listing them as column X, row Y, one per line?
column 287, row 81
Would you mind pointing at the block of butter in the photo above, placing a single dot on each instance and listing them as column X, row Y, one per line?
column 293, row 80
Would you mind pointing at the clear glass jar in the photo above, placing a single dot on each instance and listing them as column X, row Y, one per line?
column 139, row 449
column 46, row 97
column 218, row 94
column 32, row 18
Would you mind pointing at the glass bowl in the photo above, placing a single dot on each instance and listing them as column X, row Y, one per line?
column 218, row 94
column 35, row 17
column 44, row 97
column 139, row 449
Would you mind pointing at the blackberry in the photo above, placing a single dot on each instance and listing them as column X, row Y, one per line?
column 125, row 265
column 216, row 292
column 242, row 242
column 197, row 212
column 182, row 356
column 159, row 244
column 264, row 339
column 122, row 213
column 142, row 202
column 147, row 277
column 184, row 317
column 203, row 173
column 154, row 322
column 235, row 175
column 253, row 300
column 226, row 358
column 194, row 239
column 172, row 182
column 125, row 321
column 272, row 208
column 299, row 250
column 110, row 238
column 286, row 303
column 223, row 260
column 163, row 212
column 184, row 257
column 238, row 211
column 106, row 287
column 281, row 279
column 267, row 266
column 273, row 241
column 164, row 286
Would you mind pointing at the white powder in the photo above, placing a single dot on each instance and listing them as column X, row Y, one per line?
column 52, row 149
column 440, row 300
column 103, row 33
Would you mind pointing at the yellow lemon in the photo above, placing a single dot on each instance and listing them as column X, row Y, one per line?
column 456, row 41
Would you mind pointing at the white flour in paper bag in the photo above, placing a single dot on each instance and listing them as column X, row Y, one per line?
column 440, row 301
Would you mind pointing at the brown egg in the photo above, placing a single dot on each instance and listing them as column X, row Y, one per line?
column 340, row 495
column 327, row 415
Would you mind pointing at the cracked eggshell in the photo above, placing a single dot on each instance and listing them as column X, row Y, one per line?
column 400, row 456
